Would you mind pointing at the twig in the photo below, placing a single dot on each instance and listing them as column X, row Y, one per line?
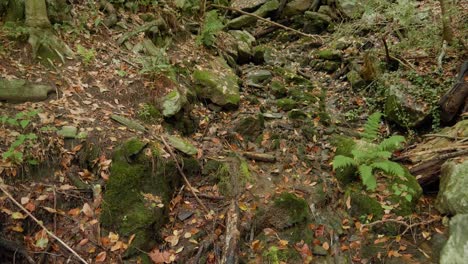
column 440, row 59
column 444, row 136
column 209, row 197
column 408, row 226
column 269, row 21
column 192, row 190
column 4, row 190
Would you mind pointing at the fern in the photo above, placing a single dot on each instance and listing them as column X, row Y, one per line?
column 341, row 161
column 389, row 167
column 367, row 176
column 211, row 26
column 392, row 143
column 371, row 128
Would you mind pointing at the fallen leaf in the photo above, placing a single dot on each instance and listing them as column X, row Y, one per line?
column 160, row 256
column 87, row 210
column 101, row 257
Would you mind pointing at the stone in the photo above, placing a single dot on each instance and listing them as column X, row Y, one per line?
column 18, row 91
column 315, row 23
column 182, row 145
column 218, row 83
column 244, row 43
column 258, row 77
column 68, row 132
column 328, row 54
column 403, row 108
column 363, row 204
column 286, row 104
column 250, row 127
column 351, row 8
column 456, row 249
column 356, row 81
column 297, row 114
column 172, row 103
column 266, row 54
column 453, row 198
column 296, row 7
column 327, row 66
column 245, row 20
column 247, row 4
column 278, row 89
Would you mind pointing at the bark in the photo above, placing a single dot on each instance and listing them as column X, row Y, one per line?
column 447, row 33
column 36, row 14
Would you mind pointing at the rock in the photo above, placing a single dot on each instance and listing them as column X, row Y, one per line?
column 18, row 91
column 453, row 198
column 267, row 54
column 326, row 66
column 287, row 210
column 296, row 7
column 250, row 127
column 247, row 4
column 132, row 124
column 245, row 20
column 363, row 204
column 315, row 23
column 351, row 8
column 456, row 249
column 286, row 104
column 297, row 114
column 403, row 108
column 172, row 103
column 356, row 81
column 332, row 55
column 182, row 145
column 258, row 77
column 68, row 132
column 278, row 89
column 126, row 208
column 230, row 173
column 244, row 44
column 218, row 83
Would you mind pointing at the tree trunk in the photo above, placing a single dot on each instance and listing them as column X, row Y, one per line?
column 447, row 33
column 36, row 14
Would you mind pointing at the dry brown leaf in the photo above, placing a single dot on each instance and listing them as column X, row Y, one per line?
column 101, row 257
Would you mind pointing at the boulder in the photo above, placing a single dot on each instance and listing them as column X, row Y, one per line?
column 244, row 43
column 456, row 249
column 356, row 81
column 403, row 108
column 247, row 4
column 18, row 91
column 245, row 20
column 315, row 23
column 351, row 8
column 453, row 198
column 296, row 7
column 258, row 77
column 218, row 83
column 278, row 89
column 172, row 103
column 250, row 127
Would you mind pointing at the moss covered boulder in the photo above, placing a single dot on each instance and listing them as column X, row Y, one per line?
column 362, row 204
column 315, row 23
column 218, row 83
column 138, row 192
column 262, row 11
column 250, row 127
column 452, row 197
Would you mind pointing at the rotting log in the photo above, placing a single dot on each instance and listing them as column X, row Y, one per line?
column 231, row 242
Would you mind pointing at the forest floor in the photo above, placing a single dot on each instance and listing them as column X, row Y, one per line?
column 89, row 92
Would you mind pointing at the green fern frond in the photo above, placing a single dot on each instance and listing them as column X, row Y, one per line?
column 367, row 177
column 389, row 167
column 341, row 161
column 392, row 143
column 371, row 128
column 381, row 154
column 211, row 26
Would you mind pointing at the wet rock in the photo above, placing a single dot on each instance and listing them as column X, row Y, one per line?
column 278, row 89
column 258, row 77
column 453, row 198
column 356, row 81
column 245, row 20
column 286, row 104
column 296, row 7
column 218, row 83
column 315, row 23
column 247, row 4
column 250, row 127
column 403, row 108
column 455, row 251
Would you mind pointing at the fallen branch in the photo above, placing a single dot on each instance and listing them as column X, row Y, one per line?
column 424, row 152
column 231, row 242
column 192, row 190
column 260, row 156
column 445, row 136
column 269, row 22
column 4, row 190
column 400, row 222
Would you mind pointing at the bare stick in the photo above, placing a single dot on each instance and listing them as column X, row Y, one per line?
column 230, row 254
column 400, row 222
column 270, row 22
column 4, row 190
column 192, row 190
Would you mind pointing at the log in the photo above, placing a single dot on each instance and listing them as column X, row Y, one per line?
column 231, row 242
column 456, row 98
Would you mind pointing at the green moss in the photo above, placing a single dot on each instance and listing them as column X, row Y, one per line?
column 328, row 54
column 232, row 173
column 362, row 204
column 344, row 145
column 302, row 96
column 286, row 104
column 278, row 89
column 297, row 208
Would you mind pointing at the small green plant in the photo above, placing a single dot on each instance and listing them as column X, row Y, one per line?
column 15, row 152
column 87, row 55
column 211, row 27
column 369, row 157
column 272, row 255
column 158, row 64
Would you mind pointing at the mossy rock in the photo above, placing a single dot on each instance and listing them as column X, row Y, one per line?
column 302, row 95
column 411, row 192
column 125, row 209
column 356, row 81
column 250, row 127
column 362, row 204
column 329, row 54
column 297, row 114
column 327, row 66
column 278, row 89
column 286, row 104
column 231, row 173
column 344, row 145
